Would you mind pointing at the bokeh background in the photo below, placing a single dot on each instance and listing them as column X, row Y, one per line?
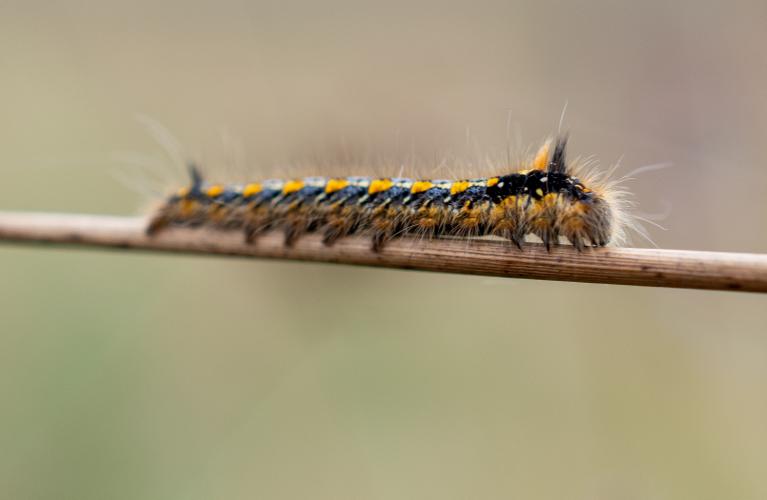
column 176, row 377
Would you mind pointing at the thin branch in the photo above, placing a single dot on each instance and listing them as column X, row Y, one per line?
column 624, row 266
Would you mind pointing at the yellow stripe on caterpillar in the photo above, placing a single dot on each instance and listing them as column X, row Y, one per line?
column 379, row 185
column 215, row 190
column 292, row 186
column 251, row 189
column 421, row 186
column 334, row 185
column 459, row 187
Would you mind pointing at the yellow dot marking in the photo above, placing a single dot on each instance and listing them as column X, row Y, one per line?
column 492, row 181
column 459, row 187
column 183, row 192
column 510, row 201
column 542, row 157
column 379, row 185
column 251, row 189
column 539, row 192
column 214, row 191
column 292, row 187
column 421, row 186
column 586, row 190
column 550, row 199
column 334, row 185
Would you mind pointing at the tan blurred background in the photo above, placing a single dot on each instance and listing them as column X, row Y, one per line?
column 146, row 376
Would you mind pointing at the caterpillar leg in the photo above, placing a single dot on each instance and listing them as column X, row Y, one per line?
column 577, row 242
column 253, row 230
column 339, row 224
column 508, row 234
column 383, row 224
column 156, row 224
column 294, row 229
column 380, row 239
column 255, row 221
column 549, row 237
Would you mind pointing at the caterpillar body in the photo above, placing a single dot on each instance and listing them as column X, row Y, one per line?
column 544, row 198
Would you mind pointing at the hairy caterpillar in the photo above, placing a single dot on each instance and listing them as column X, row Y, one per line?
column 544, row 198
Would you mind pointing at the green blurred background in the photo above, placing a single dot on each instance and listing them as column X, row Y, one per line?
column 170, row 377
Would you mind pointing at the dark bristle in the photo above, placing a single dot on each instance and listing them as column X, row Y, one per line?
column 558, row 164
column 196, row 177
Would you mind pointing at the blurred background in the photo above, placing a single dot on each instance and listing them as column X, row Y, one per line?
column 175, row 377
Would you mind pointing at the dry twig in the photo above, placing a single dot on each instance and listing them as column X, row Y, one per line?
column 624, row 266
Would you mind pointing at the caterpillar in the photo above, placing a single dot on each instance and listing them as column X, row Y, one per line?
column 544, row 198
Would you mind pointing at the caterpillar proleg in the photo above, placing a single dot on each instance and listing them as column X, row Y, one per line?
column 546, row 198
